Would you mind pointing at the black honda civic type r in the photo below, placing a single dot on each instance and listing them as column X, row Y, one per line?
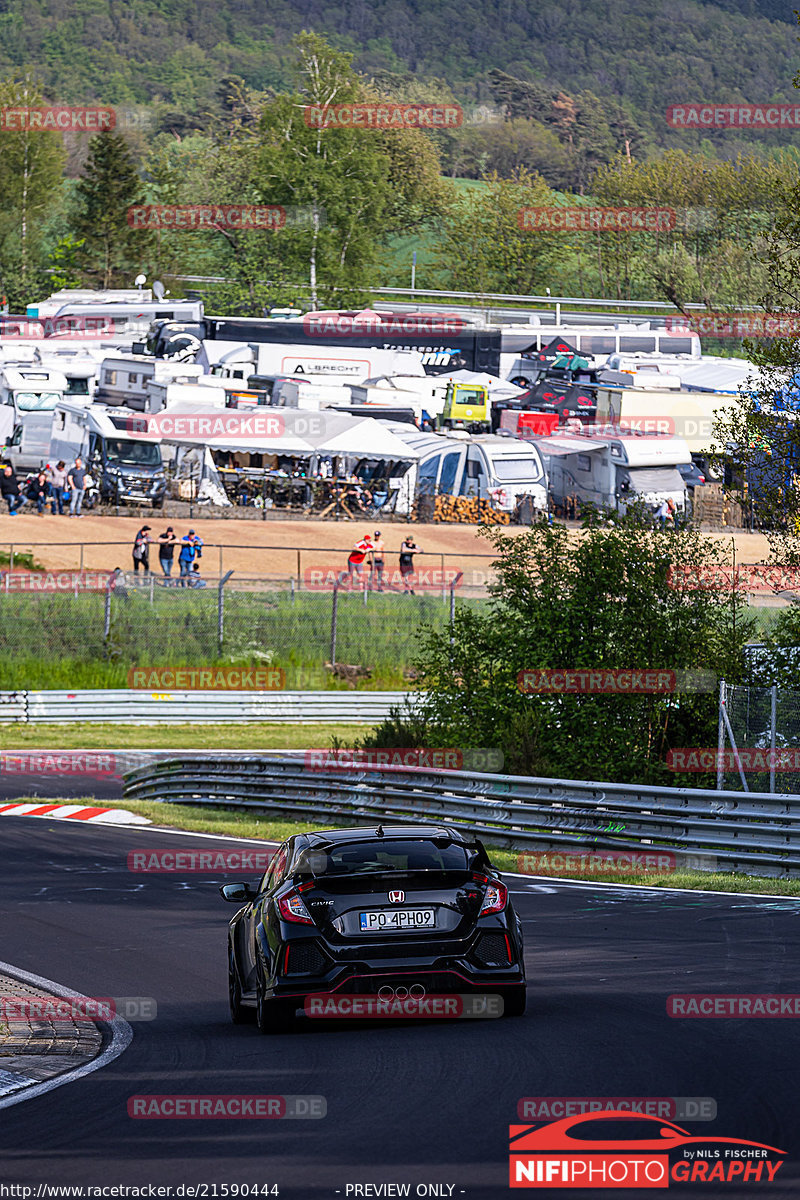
column 406, row 910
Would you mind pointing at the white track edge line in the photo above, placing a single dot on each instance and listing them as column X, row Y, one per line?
column 554, row 879
column 121, row 1037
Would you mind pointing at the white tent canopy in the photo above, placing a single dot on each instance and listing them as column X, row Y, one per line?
column 497, row 387
column 306, row 434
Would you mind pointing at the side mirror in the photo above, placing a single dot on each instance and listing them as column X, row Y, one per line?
column 237, row 893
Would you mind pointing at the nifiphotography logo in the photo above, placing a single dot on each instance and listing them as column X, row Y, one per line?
column 622, row 1149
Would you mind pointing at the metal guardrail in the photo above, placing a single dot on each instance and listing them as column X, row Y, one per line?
column 13, row 706
column 755, row 834
column 146, row 708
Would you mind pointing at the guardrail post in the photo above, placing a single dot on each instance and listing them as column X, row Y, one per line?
column 221, row 609
column 334, row 614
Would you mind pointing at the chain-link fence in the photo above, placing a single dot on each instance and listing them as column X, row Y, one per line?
column 760, row 740
column 316, row 640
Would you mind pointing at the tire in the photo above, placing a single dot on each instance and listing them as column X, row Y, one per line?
column 514, row 1004
column 239, row 1014
column 272, row 1016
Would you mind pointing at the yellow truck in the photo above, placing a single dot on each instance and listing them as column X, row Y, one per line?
column 466, row 406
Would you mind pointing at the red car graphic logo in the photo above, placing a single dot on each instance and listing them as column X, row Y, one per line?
column 397, row 897
column 578, row 1152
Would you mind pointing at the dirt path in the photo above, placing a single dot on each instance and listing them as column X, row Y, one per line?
column 269, row 549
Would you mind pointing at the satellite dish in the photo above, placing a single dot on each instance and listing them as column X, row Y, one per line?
column 158, row 289
column 140, row 280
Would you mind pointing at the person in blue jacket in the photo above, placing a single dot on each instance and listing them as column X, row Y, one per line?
column 191, row 549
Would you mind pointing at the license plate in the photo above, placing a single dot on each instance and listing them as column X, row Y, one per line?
column 397, row 919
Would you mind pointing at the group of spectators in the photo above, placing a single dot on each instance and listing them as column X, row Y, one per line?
column 190, row 551
column 56, row 485
column 372, row 546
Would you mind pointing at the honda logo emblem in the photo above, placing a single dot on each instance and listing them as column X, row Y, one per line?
column 397, row 897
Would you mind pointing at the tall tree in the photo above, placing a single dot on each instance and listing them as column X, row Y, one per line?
column 356, row 185
column 620, row 596
column 483, row 247
column 109, row 187
column 31, row 188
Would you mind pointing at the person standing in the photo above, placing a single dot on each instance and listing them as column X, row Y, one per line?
column 378, row 559
column 57, row 480
column 76, row 479
column 9, row 490
column 662, row 513
column 191, row 548
column 407, row 551
column 141, row 551
column 166, row 550
column 355, row 561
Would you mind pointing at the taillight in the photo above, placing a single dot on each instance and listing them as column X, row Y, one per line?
column 495, row 899
column 291, row 908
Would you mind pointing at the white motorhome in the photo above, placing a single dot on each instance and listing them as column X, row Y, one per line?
column 498, row 469
column 150, row 384
column 80, row 366
column 612, row 472
column 27, row 391
column 122, row 316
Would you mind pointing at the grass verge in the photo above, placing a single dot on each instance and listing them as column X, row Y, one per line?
column 231, row 822
column 260, row 736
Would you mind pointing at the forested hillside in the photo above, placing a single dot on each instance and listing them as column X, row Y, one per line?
column 645, row 56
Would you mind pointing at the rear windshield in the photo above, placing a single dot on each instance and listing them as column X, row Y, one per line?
column 516, row 470
column 380, row 857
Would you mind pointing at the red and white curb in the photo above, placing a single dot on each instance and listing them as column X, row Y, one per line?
column 75, row 812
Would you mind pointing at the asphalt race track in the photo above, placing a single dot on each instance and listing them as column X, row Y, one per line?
column 407, row 1103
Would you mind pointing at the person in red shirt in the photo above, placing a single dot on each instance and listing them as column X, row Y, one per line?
column 355, row 562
